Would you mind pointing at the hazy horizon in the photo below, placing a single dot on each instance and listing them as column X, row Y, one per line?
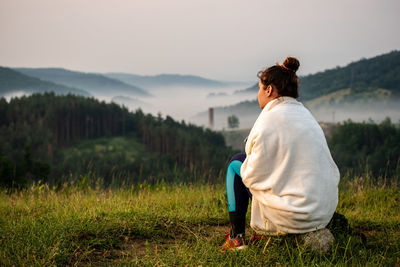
column 250, row 81
column 223, row 40
column 218, row 40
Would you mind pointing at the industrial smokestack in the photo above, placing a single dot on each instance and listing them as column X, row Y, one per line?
column 211, row 117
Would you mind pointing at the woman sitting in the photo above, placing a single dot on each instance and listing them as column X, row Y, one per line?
column 287, row 171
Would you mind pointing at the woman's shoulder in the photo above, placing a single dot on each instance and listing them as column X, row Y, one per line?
column 286, row 116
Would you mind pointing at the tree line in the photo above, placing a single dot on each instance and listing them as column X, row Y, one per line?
column 34, row 129
column 367, row 148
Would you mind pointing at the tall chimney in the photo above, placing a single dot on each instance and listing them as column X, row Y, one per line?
column 211, row 117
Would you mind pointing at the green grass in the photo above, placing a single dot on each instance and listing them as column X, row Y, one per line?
column 171, row 225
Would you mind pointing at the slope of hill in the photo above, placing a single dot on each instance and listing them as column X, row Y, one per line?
column 348, row 96
column 165, row 80
column 380, row 72
column 94, row 83
column 368, row 88
column 12, row 82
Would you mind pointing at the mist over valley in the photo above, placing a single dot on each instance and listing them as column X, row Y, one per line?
column 368, row 89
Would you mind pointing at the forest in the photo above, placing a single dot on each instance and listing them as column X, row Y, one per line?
column 367, row 148
column 38, row 135
column 58, row 139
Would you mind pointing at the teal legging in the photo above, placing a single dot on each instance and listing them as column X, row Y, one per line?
column 238, row 194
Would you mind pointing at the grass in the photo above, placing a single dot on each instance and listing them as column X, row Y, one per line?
column 168, row 225
column 350, row 96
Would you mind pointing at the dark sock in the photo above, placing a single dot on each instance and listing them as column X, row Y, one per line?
column 238, row 223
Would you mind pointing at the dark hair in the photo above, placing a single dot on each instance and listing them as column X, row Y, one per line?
column 283, row 77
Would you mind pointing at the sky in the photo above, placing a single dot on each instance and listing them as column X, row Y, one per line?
column 218, row 39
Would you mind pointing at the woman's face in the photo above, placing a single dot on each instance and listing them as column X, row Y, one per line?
column 262, row 95
column 266, row 94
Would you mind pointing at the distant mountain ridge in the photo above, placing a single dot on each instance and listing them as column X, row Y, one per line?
column 166, row 80
column 12, row 81
column 94, row 83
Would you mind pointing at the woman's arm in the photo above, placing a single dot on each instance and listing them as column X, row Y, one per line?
column 254, row 170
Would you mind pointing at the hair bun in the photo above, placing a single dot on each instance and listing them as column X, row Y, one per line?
column 291, row 63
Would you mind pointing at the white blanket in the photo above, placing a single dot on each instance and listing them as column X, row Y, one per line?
column 289, row 170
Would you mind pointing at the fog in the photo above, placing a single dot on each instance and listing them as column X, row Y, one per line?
column 9, row 96
column 192, row 104
column 183, row 103
column 248, row 113
column 358, row 112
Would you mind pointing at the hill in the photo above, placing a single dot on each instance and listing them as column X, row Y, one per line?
column 368, row 88
column 14, row 82
column 366, row 75
column 94, row 83
column 380, row 72
column 165, row 80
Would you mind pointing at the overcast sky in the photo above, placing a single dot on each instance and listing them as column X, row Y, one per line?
column 218, row 39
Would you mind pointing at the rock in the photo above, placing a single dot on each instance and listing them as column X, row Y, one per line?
column 319, row 241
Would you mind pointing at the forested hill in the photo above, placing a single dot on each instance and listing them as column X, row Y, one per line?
column 12, row 81
column 94, row 83
column 35, row 130
column 380, row 72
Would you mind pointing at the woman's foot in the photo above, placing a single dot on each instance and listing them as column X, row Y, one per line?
column 236, row 243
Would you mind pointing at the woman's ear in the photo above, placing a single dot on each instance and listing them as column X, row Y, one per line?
column 268, row 90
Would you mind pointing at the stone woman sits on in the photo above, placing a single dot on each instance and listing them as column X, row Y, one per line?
column 287, row 171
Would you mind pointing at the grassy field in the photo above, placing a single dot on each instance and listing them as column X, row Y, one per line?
column 167, row 225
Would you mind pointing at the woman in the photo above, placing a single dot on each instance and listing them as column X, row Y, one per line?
column 287, row 170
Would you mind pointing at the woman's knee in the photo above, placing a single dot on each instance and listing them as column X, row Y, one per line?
column 240, row 157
